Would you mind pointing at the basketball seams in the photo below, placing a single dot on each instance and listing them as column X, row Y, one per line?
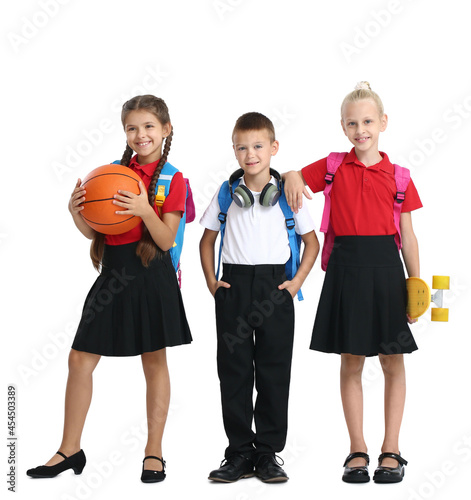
column 93, row 201
column 108, row 223
column 108, row 173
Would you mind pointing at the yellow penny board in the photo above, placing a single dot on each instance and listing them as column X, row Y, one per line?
column 419, row 297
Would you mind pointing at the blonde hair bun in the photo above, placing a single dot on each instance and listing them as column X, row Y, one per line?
column 362, row 91
column 362, row 86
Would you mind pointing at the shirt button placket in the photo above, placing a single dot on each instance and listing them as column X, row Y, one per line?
column 366, row 181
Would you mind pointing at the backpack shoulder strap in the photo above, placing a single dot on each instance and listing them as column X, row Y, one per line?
column 225, row 200
column 334, row 160
column 402, row 178
column 162, row 187
column 224, row 197
column 292, row 238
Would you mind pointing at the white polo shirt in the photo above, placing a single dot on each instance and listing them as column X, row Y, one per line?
column 255, row 235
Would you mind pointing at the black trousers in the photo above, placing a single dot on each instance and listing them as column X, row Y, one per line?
column 255, row 330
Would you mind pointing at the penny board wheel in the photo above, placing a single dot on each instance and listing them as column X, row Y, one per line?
column 439, row 314
column 441, row 282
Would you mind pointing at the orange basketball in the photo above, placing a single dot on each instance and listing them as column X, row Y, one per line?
column 101, row 185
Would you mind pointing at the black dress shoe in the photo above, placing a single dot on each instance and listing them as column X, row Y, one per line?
column 76, row 462
column 389, row 474
column 232, row 469
column 153, row 476
column 356, row 474
column 269, row 470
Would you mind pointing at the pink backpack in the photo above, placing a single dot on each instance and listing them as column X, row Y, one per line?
column 334, row 160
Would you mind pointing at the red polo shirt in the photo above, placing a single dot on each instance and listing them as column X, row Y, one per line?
column 174, row 202
column 362, row 197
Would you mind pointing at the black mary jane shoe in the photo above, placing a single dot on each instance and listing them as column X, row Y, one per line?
column 269, row 470
column 75, row 462
column 356, row 474
column 389, row 474
column 153, row 476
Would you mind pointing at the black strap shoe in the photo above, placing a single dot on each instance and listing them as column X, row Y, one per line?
column 269, row 470
column 75, row 462
column 232, row 469
column 356, row 474
column 153, row 476
column 389, row 474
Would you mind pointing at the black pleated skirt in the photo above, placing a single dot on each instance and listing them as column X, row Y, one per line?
column 362, row 308
column 131, row 309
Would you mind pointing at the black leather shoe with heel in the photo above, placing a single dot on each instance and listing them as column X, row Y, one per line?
column 153, row 476
column 75, row 462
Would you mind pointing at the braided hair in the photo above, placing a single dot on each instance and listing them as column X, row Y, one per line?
column 147, row 250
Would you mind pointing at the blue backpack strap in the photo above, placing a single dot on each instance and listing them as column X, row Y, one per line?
column 225, row 200
column 294, row 240
column 165, row 179
column 162, row 188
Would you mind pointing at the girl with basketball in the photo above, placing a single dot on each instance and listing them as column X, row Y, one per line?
column 362, row 308
column 145, row 314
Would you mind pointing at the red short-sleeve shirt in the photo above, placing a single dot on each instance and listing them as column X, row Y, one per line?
column 174, row 202
column 362, row 198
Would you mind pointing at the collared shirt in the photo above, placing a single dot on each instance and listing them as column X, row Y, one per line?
column 255, row 235
column 175, row 201
column 362, row 197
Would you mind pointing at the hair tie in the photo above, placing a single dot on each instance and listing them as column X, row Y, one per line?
column 362, row 86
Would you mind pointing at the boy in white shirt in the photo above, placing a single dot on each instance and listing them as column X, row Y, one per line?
column 254, row 304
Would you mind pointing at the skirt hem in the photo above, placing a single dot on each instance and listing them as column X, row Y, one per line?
column 125, row 355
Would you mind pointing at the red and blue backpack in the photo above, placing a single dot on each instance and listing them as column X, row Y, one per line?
column 162, row 189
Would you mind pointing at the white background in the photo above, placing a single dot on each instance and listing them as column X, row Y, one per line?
column 67, row 68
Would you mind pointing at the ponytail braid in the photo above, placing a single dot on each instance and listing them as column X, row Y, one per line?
column 127, row 155
column 158, row 169
column 147, row 250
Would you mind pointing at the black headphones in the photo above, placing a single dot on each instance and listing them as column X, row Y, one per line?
column 243, row 197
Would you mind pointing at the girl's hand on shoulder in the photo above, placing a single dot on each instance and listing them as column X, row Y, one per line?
column 294, row 187
column 77, row 198
column 135, row 204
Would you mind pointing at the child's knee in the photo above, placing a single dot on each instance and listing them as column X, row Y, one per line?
column 392, row 364
column 352, row 365
column 154, row 362
column 82, row 361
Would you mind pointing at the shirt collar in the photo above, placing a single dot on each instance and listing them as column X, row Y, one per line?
column 384, row 164
column 147, row 169
column 271, row 181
